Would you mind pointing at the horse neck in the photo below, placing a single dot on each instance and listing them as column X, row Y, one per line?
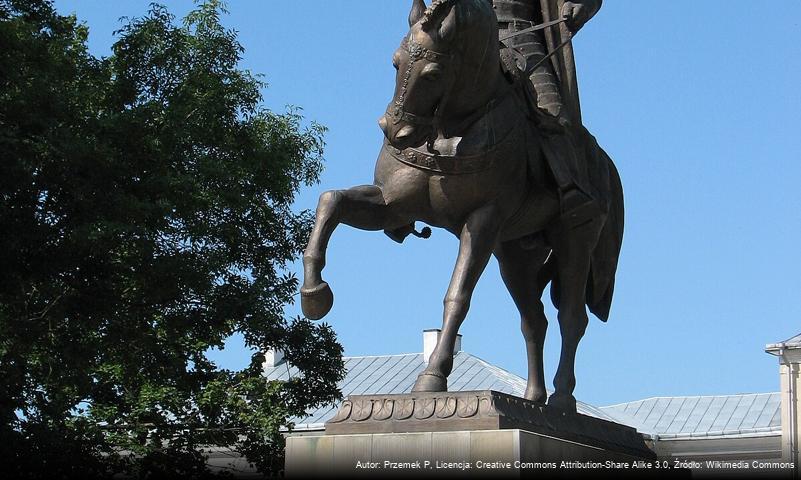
column 479, row 81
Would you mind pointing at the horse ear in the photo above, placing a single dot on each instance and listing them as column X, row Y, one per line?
column 418, row 9
column 448, row 27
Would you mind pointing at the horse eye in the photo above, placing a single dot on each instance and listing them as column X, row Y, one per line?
column 431, row 72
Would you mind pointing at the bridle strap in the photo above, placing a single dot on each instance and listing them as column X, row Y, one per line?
column 418, row 52
column 398, row 114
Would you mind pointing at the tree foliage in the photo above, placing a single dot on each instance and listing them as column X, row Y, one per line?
column 145, row 217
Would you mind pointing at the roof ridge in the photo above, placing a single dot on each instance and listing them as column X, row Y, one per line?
column 792, row 343
column 662, row 397
column 794, row 340
column 345, row 357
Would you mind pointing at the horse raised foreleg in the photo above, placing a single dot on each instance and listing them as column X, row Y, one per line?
column 476, row 242
column 362, row 207
column 521, row 272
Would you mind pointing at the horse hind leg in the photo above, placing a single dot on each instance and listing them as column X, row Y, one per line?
column 572, row 250
column 525, row 275
column 361, row 207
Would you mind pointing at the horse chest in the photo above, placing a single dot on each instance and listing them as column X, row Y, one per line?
column 444, row 189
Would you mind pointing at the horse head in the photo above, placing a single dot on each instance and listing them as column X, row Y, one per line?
column 447, row 68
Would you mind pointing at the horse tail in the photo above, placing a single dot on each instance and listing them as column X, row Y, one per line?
column 604, row 258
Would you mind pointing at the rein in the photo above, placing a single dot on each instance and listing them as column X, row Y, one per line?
column 541, row 26
column 498, row 146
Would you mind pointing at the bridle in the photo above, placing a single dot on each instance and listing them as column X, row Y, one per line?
column 416, row 53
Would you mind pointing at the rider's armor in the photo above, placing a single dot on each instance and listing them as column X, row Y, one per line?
column 516, row 15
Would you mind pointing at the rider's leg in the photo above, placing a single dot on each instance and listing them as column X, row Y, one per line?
column 564, row 155
column 577, row 205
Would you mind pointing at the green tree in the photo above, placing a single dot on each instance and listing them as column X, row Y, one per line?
column 145, row 217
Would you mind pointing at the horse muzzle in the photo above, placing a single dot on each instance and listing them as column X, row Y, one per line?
column 403, row 135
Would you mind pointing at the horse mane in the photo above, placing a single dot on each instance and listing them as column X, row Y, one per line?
column 433, row 11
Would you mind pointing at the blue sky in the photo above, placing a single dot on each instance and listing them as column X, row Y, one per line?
column 699, row 107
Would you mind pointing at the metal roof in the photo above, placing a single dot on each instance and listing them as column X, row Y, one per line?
column 731, row 416
column 790, row 343
column 703, row 416
column 397, row 374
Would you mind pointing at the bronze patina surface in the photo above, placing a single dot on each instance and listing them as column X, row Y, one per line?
column 484, row 139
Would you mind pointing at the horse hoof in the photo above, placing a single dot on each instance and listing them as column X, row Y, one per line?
column 430, row 382
column 563, row 403
column 536, row 396
column 317, row 301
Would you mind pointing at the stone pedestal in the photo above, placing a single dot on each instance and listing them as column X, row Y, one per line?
column 483, row 432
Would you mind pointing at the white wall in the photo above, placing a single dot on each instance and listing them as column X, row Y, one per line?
column 790, row 375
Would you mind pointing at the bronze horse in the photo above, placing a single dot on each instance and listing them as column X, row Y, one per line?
column 462, row 153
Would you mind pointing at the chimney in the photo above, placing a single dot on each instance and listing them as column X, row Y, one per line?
column 273, row 357
column 430, row 339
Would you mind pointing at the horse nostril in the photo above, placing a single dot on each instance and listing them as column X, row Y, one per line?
column 382, row 123
column 404, row 132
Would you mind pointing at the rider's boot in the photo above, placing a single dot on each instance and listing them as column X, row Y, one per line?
column 577, row 207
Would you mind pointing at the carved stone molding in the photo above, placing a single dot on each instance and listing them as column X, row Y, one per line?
column 478, row 410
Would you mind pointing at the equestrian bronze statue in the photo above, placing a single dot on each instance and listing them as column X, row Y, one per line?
column 484, row 139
